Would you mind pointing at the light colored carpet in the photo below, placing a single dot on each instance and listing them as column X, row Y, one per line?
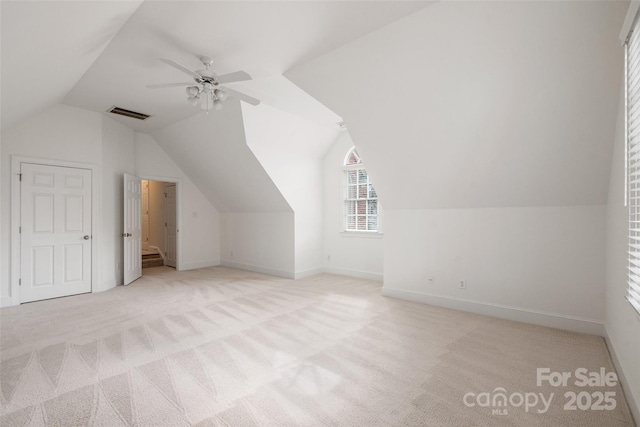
column 222, row 347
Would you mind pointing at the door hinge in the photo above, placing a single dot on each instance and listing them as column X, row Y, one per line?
column 165, row 224
column 20, row 177
column 165, row 194
column 20, row 230
column 19, row 282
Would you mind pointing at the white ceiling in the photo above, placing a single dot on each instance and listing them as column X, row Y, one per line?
column 48, row 46
column 264, row 38
column 213, row 152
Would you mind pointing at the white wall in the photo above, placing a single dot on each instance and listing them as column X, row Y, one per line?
column 290, row 149
column 75, row 135
column 4, row 300
column 212, row 151
column 543, row 265
column 350, row 254
column 200, row 219
column 259, row 241
column 621, row 322
column 469, row 104
column 59, row 133
column 503, row 110
column 117, row 159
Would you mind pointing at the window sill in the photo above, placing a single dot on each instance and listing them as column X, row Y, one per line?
column 364, row 234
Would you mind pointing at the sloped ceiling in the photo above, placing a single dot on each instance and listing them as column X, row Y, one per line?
column 264, row 38
column 55, row 52
column 290, row 149
column 248, row 159
column 212, row 150
column 48, row 46
column 96, row 54
column 481, row 104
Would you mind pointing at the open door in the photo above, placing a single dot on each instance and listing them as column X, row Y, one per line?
column 132, row 234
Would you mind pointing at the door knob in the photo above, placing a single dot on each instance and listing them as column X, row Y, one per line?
column 86, row 237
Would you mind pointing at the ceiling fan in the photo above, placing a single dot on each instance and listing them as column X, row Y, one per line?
column 207, row 90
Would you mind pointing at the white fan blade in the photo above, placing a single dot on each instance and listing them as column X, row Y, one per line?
column 237, row 76
column 159, row 86
column 180, row 67
column 242, row 96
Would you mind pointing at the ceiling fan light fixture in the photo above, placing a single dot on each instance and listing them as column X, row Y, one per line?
column 217, row 105
column 221, row 95
column 193, row 91
column 193, row 100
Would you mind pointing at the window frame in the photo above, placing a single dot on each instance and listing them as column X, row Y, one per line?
column 360, row 169
column 632, row 163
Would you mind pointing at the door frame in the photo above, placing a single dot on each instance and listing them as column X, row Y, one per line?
column 14, row 263
column 164, row 209
column 178, row 182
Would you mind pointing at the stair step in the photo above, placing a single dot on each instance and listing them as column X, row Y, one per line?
column 156, row 261
column 152, row 256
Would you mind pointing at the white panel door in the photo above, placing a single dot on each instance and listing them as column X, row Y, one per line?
column 55, row 231
column 132, row 234
column 170, row 225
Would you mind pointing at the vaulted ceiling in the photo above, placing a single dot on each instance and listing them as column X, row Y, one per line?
column 97, row 54
column 452, row 104
column 48, row 46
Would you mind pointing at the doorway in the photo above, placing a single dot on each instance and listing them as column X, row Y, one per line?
column 159, row 239
column 156, row 204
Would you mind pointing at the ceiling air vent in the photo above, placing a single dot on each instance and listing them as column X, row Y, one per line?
column 128, row 113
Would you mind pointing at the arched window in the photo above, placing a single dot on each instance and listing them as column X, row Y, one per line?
column 360, row 198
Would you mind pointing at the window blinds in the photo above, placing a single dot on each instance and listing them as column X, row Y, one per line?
column 633, row 164
column 360, row 201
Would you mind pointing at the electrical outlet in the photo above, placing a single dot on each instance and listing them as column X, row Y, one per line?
column 432, row 280
column 462, row 284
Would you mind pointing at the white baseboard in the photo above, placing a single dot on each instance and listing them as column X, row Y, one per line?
column 632, row 400
column 353, row 273
column 307, row 273
column 258, row 269
column 303, row 274
column 199, row 264
column 6, row 302
column 106, row 285
column 552, row 320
